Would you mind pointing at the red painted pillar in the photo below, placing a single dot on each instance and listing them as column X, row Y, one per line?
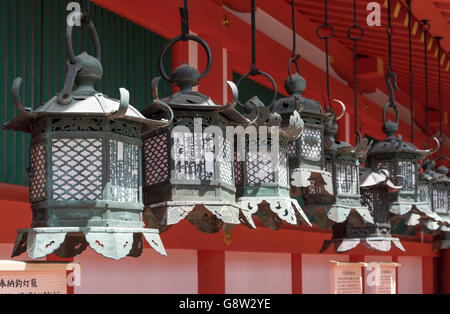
column 296, row 269
column 212, row 84
column 211, row 272
column 444, row 271
column 428, row 271
column 395, row 260
column 54, row 258
column 180, row 55
column 359, row 259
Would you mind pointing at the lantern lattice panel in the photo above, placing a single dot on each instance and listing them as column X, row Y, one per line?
column 440, row 201
column 311, row 143
column 407, row 170
column 77, row 169
column 259, row 168
column 156, row 159
column 38, row 173
column 346, row 179
column 194, row 156
column 283, row 169
column 238, row 171
column 226, row 162
column 292, row 149
column 424, row 192
column 377, row 202
column 124, row 172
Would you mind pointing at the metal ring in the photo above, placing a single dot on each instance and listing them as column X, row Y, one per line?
column 390, row 104
column 349, row 32
column 293, row 60
column 173, row 41
column 267, row 76
column 69, row 42
column 322, row 27
column 425, row 26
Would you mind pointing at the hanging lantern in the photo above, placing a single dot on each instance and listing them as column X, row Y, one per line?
column 188, row 166
column 306, row 154
column 431, row 222
column 401, row 159
column 440, row 197
column 440, row 191
column 85, row 165
column 342, row 161
column 375, row 190
column 262, row 178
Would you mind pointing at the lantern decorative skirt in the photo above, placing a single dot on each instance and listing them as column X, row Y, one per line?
column 85, row 165
column 188, row 167
column 262, row 177
column 376, row 236
column 306, row 154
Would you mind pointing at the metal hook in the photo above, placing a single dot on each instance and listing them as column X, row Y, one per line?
column 123, row 107
column 184, row 13
column 391, row 86
column 343, row 109
column 438, row 145
column 16, row 97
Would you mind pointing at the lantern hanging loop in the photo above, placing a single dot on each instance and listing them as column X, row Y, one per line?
column 425, row 28
column 74, row 64
column 411, row 74
column 389, row 127
column 185, row 36
column 86, row 17
column 355, row 39
column 441, row 136
column 294, row 57
column 254, row 70
column 326, row 37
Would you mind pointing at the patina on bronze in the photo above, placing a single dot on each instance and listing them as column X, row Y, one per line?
column 180, row 182
column 85, row 167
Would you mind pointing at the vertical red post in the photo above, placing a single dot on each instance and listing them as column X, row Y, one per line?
column 212, row 85
column 180, row 55
column 211, row 272
column 54, row 258
column 395, row 260
column 428, row 284
column 359, row 259
column 296, row 269
column 444, row 272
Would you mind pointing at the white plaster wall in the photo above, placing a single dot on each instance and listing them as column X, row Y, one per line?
column 410, row 275
column 258, row 273
column 316, row 272
column 151, row 273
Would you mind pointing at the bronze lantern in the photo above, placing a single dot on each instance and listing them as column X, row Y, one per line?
column 85, row 167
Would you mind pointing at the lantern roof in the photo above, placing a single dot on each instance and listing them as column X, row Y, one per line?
column 369, row 178
column 83, row 101
column 186, row 77
column 295, row 85
column 188, row 100
column 397, row 145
